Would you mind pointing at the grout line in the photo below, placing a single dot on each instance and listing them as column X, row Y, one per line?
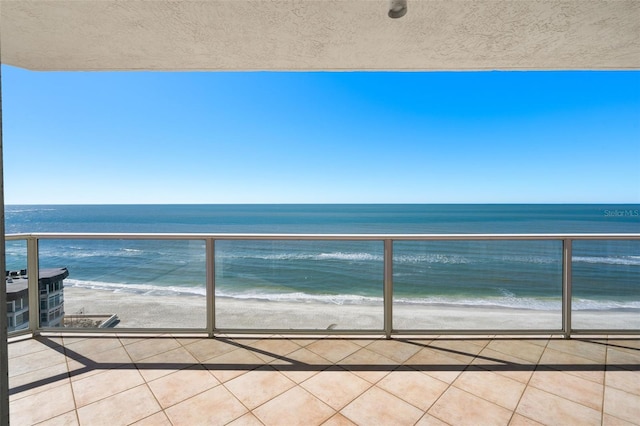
column 526, row 385
column 243, row 404
column 449, row 385
column 604, row 381
column 73, row 393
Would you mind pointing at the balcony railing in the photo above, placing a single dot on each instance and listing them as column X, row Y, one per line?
column 342, row 284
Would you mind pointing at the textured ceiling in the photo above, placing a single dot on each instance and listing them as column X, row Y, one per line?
column 319, row 35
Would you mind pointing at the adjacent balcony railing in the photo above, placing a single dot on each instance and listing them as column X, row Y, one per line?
column 338, row 284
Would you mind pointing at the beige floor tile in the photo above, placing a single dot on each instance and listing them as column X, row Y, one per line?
column 574, row 365
column 127, row 339
column 338, row 420
column 378, row 407
column 121, row 409
column 35, row 361
column 336, row 387
column 88, row 347
column 79, row 366
column 429, row 420
column 422, row 342
column 436, row 364
column 216, row 406
column 334, row 350
column 461, row 349
column 414, row 387
column 495, row 388
column 518, row 348
column 184, row 341
column 205, row 349
column 247, row 420
column 430, row 357
column 300, row 365
column 519, row 420
column 303, row 356
column 303, row 341
column 157, row 419
column 608, row 420
column 505, row 365
column 105, row 384
column 397, row 350
column 29, row 346
column 570, row 387
column 66, row 419
column 42, row 406
column 364, row 342
column 79, row 371
column 37, row 381
column 458, row 407
column 271, row 349
column 165, row 363
column 242, row 341
column 540, row 341
column 182, row 384
column 626, row 380
column 446, row 375
column 369, row 365
column 624, row 358
column 551, row 409
column 150, row 347
column 294, row 407
column 594, row 351
column 259, row 386
column 233, row 364
column 624, row 343
column 623, row 405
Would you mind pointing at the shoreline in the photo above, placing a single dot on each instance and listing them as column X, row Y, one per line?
column 163, row 311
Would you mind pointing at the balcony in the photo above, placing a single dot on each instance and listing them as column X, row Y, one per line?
column 383, row 359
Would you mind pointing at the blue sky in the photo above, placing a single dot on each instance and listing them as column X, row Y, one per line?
column 353, row 137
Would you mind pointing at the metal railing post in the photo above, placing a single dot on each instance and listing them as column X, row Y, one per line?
column 211, row 285
column 388, row 288
column 33, row 274
column 4, row 348
column 566, row 286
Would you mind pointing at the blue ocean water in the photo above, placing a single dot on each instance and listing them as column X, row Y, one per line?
column 522, row 274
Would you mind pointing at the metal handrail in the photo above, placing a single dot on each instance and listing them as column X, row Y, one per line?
column 32, row 240
column 320, row 237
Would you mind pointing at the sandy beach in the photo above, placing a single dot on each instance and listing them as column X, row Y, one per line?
column 160, row 311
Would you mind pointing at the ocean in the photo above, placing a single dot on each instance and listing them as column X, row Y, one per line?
column 511, row 274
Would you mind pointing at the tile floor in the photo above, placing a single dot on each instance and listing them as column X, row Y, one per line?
column 173, row 380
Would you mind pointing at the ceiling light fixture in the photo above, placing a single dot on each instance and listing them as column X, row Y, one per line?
column 397, row 8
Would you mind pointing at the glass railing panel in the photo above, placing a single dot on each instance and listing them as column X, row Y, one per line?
column 477, row 285
column 17, row 291
column 606, row 285
column 143, row 283
column 310, row 285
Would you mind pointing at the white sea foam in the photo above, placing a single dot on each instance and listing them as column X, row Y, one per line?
column 349, row 256
column 307, row 256
column 137, row 288
column 618, row 260
column 538, row 260
column 507, row 300
column 452, row 259
column 74, row 252
column 28, row 210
